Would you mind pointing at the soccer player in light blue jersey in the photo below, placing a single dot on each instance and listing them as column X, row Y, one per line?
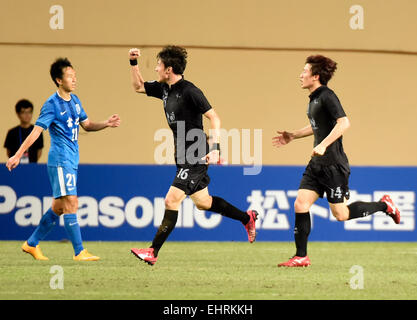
column 62, row 114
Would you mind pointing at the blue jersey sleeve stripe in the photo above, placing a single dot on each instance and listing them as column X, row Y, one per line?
column 40, row 124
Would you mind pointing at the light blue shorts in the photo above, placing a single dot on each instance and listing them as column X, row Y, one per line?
column 63, row 181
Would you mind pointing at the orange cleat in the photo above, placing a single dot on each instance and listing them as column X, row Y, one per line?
column 34, row 251
column 84, row 255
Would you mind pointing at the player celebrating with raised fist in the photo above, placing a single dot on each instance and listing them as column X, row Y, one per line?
column 184, row 106
column 62, row 114
column 328, row 170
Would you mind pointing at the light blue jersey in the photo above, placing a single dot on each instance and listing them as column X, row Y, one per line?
column 62, row 118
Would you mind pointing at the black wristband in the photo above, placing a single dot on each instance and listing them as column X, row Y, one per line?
column 133, row 62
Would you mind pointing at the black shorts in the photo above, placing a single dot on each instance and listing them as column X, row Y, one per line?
column 191, row 178
column 332, row 179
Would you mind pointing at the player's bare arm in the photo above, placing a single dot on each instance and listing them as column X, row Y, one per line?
column 342, row 124
column 285, row 137
column 13, row 162
column 137, row 79
column 214, row 155
column 112, row 122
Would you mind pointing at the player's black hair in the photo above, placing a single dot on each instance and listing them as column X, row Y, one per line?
column 175, row 57
column 23, row 104
column 57, row 69
column 322, row 66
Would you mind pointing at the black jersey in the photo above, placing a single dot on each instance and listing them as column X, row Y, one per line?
column 184, row 105
column 323, row 111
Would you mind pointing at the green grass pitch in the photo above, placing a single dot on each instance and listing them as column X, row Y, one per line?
column 213, row 271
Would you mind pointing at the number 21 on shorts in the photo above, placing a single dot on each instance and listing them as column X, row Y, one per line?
column 71, row 181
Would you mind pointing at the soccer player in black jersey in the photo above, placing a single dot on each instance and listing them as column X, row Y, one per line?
column 184, row 106
column 328, row 170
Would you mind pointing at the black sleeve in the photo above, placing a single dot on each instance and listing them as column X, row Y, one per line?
column 8, row 143
column 197, row 100
column 333, row 106
column 154, row 89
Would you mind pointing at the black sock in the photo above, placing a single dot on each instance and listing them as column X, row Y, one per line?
column 301, row 231
column 168, row 224
column 223, row 207
column 360, row 209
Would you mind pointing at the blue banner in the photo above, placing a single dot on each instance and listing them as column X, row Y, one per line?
column 126, row 202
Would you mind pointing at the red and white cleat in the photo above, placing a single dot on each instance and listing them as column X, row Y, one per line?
column 250, row 226
column 296, row 262
column 392, row 210
column 146, row 255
